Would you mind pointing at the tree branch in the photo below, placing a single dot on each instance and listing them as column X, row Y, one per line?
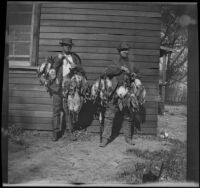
column 180, row 53
column 181, row 64
column 177, row 80
column 168, row 27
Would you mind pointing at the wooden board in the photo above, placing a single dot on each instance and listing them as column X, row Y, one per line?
column 110, row 12
column 94, row 14
column 106, row 63
column 38, row 94
column 49, row 108
column 27, row 87
column 96, row 56
column 93, row 43
column 91, row 129
column 90, row 71
column 81, row 21
column 100, row 37
column 33, row 126
column 27, row 120
column 99, row 50
column 100, row 67
column 98, row 30
column 34, row 88
column 47, row 114
column 49, row 121
column 30, row 100
column 151, row 130
column 35, row 82
column 31, row 107
column 103, row 5
column 95, row 75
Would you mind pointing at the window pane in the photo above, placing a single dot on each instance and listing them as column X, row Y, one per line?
column 11, row 48
column 22, row 37
column 19, row 19
column 22, row 48
column 20, row 28
column 18, row 8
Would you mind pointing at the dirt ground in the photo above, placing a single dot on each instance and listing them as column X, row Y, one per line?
column 39, row 160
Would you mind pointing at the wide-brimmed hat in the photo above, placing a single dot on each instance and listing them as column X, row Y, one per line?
column 66, row 41
column 123, row 46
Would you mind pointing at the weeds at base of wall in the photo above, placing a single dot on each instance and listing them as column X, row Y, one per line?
column 15, row 134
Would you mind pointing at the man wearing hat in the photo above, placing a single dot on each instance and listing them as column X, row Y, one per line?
column 61, row 67
column 117, row 76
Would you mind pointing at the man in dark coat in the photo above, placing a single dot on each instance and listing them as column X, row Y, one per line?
column 62, row 64
column 117, row 76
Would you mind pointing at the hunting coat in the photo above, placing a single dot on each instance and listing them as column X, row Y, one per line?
column 56, row 86
column 115, row 73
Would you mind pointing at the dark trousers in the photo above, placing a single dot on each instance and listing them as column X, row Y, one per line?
column 68, row 121
column 59, row 108
column 110, row 113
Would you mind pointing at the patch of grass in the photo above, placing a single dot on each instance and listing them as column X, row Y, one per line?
column 132, row 174
column 15, row 134
column 128, row 176
column 174, row 160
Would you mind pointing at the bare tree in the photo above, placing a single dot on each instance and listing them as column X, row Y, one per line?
column 174, row 36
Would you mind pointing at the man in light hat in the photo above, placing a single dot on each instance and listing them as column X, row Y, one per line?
column 61, row 67
column 117, row 76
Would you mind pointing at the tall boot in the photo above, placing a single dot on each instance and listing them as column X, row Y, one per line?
column 104, row 142
column 127, row 129
column 56, row 125
column 129, row 141
column 72, row 136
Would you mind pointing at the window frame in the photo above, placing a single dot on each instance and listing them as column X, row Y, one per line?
column 34, row 42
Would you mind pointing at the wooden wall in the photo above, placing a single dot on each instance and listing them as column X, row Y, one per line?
column 97, row 29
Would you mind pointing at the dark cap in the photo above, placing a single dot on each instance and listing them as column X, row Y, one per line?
column 66, row 41
column 123, row 46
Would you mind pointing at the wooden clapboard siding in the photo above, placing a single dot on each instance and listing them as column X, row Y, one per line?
column 93, row 43
column 100, row 37
column 100, row 50
column 103, row 23
column 144, row 130
column 27, row 87
column 104, row 6
column 22, row 100
column 43, row 107
column 92, row 129
column 105, row 56
column 86, row 11
column 97, row 17
column 39, row 94
column 96, row 28
column 33, row 81
column 48, row 114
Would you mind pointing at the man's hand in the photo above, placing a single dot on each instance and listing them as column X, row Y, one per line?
column 125, row 69
column 50, row 60
column 60, row 56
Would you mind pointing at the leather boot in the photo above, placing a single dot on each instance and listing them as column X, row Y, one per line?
column 72, row 136
column 56, row 125
column 129, row 141
column 104, row 142
column 54, row 135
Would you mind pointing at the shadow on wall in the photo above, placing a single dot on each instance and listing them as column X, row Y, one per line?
column 87, row 114
column 139, row 117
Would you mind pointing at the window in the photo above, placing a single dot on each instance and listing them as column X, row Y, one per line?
column 20, row 20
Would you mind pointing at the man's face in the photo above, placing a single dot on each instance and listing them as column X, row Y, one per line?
column 67, row 48
column 124, row 53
